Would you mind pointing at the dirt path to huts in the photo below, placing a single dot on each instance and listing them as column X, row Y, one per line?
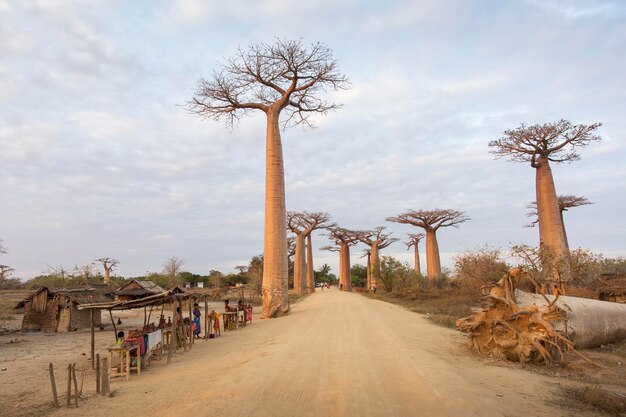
column 336, row 354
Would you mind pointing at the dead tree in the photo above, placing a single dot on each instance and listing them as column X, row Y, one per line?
column 526, row 327
column 414, row 240
column 431, row 221
column 108, row 264
column 344, row 238
column 376, row 239
column 539, row 145
column 5, row 273
column 565, row 202
column 288, row 77
column 171, row 268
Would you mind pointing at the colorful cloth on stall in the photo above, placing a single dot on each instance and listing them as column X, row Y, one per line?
column 129, row 341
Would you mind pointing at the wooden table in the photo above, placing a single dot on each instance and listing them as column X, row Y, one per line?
column 124, row 365
column 230, row 317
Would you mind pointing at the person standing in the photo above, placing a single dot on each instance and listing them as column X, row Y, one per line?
column 196, row 320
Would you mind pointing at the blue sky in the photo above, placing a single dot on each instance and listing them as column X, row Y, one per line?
column 99, row 158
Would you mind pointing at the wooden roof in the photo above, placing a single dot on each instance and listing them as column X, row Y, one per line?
column 78, row 295
column 140, row 287
column 169, row 296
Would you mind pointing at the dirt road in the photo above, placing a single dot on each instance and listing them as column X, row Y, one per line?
column 336, row 354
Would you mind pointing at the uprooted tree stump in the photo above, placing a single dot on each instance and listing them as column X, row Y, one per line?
column 525, row 327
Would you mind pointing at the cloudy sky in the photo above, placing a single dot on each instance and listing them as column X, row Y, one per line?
column 99, row 158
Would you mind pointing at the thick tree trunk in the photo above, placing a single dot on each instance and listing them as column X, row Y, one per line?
column 346, row 280
column 106, row 276
column 416, row 255
column 590, row 323
column 310, row 279
column 374, row 266
column 369, row 272
column 298, row 265
column 433, row 263
column 275, row 270
column 341, row 264
column 551, row 231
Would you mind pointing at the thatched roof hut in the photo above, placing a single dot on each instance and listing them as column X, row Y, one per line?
column 612, row 288
column 136, row 289
column 55, row 310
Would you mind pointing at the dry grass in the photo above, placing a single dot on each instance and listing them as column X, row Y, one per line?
column 442, row 306
column 599, row 398
column 8, row 299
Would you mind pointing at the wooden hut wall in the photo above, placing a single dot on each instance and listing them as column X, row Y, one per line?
column 81, row 319
column 34, row 320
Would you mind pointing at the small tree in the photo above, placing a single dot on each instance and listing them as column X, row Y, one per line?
column 289, row 77
column 539, row 145
column 171, row 269
column 431, row 221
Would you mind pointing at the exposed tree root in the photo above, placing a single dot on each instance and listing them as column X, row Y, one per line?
column 524, row 334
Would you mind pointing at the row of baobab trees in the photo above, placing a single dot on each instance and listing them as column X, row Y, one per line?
column 303, row 223
column 288, row 78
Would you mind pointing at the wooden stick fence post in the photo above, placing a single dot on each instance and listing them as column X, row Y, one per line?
column 93, row 338
column 98, row 373
column 55, row 398
column 191, row 335
column 104, row 388
column 68, row 394
column 82, row 378
column 75, row 385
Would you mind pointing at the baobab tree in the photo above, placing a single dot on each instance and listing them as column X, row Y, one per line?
column 539, row 145
column 302, row 224
column 376, row 239
column 431, row 221
column 297, row 226
column 344, row 238
column 414, row 240
column 286, row 76
column 108, row 264
column 565, row 202
column 317, row 220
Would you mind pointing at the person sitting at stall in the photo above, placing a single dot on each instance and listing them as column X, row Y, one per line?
column 119, row 339
column 196, row 320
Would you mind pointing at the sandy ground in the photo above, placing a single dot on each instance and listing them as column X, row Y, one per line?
column 336, row 354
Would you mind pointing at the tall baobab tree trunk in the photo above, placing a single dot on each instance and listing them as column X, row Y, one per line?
column 369, row 271
column 299, row 265
column 310, row 278
column 416, row 256
column 374, row 266
column 551, row 231
column 433, row 263
column 275, row 290
column 345, row 265
column 107, row 272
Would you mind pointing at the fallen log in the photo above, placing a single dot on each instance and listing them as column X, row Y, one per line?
column 526, row 327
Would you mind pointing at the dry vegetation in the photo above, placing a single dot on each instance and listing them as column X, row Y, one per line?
column 8, row 300
column 441, row 306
